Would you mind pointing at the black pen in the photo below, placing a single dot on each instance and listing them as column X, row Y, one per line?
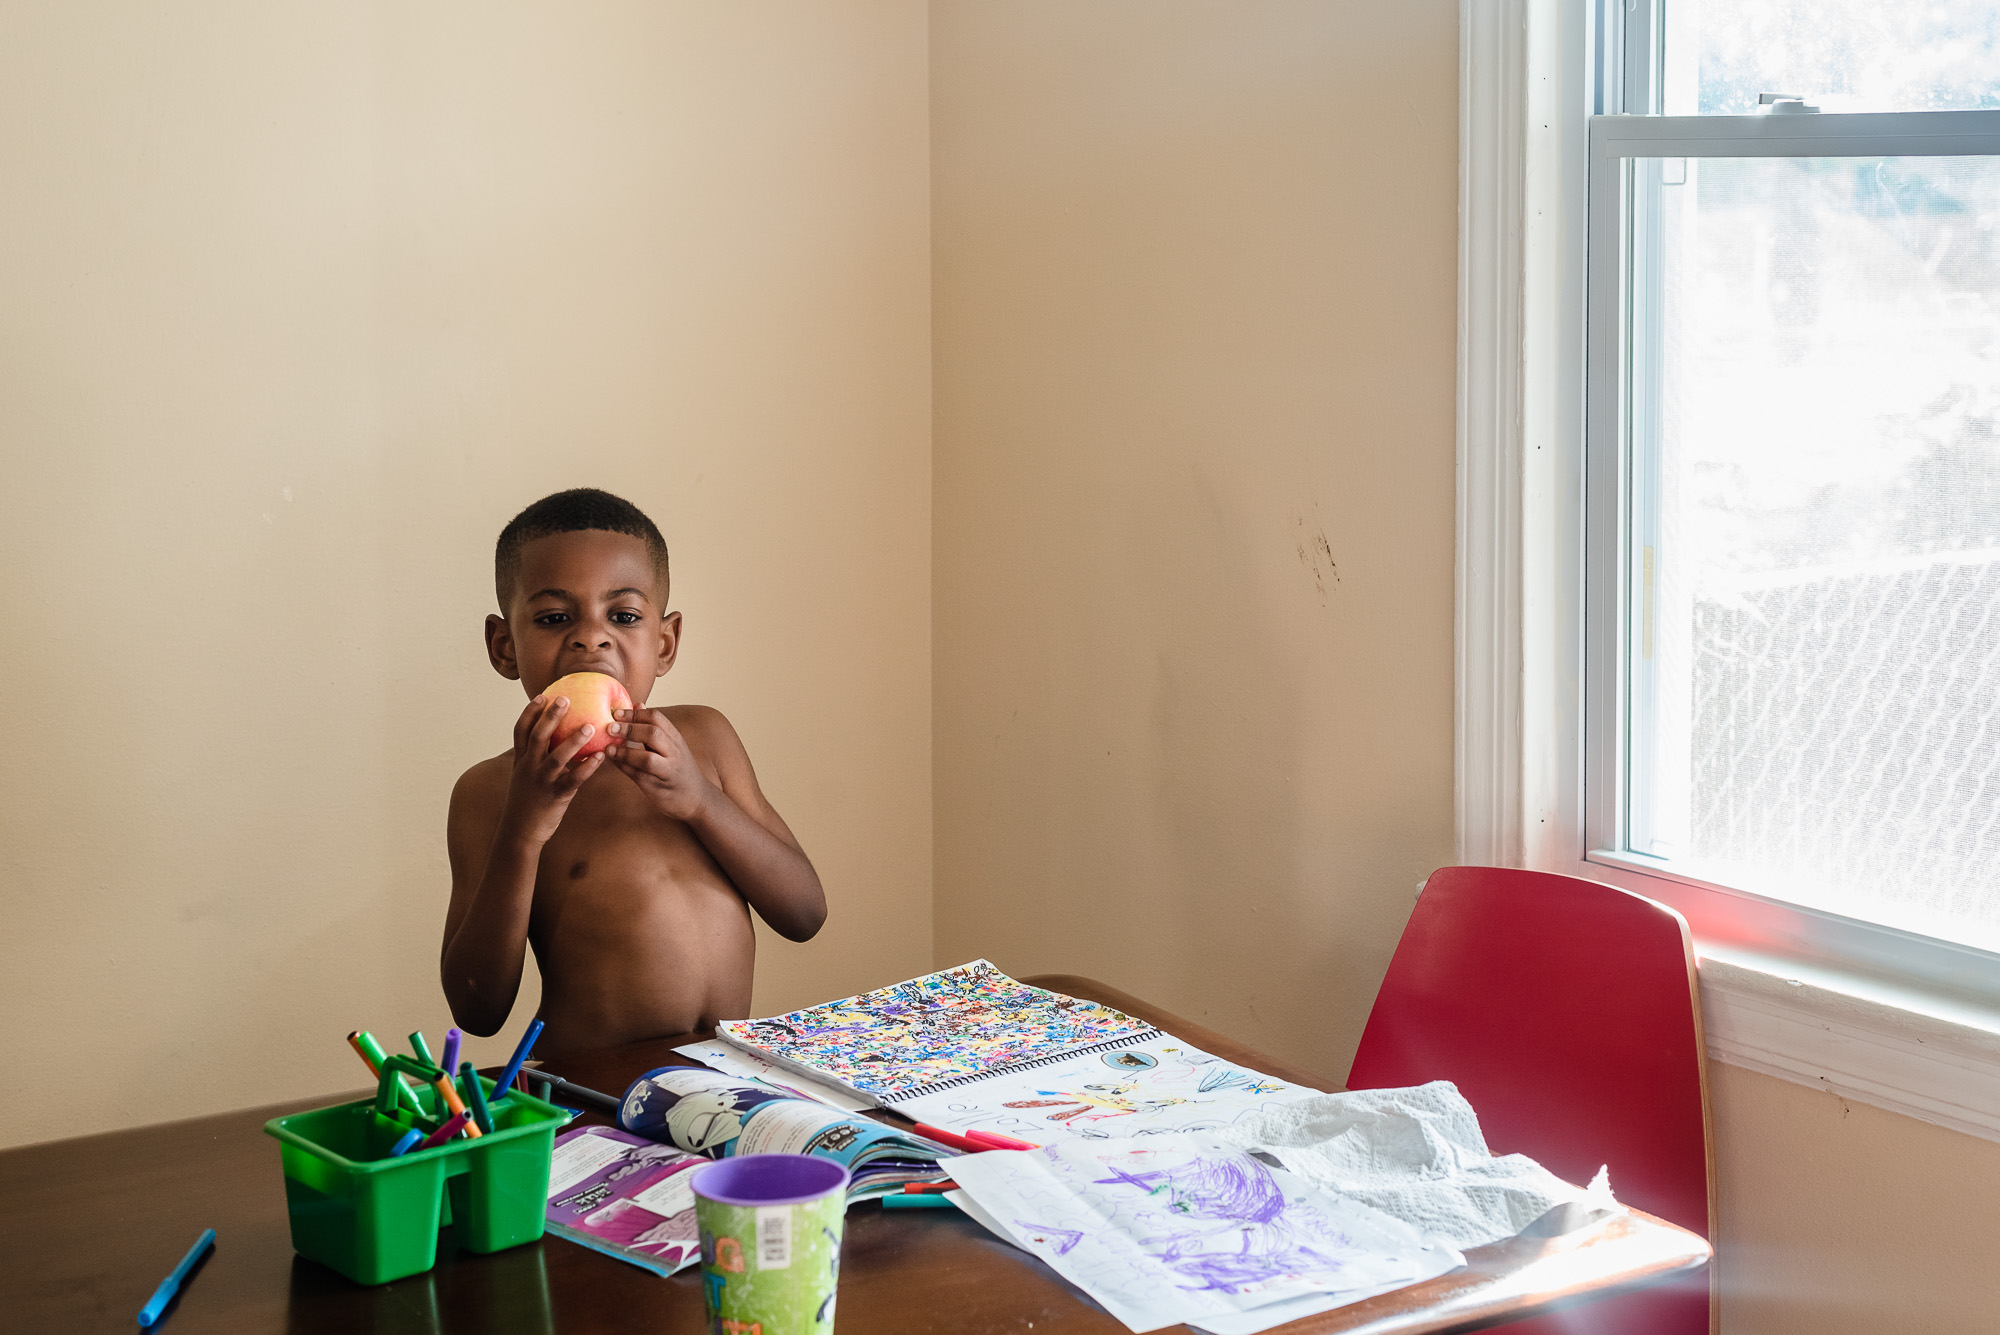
column 554, row 1085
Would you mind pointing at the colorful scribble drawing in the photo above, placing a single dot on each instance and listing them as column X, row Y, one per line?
column 1095, row 1103
column 949, row 1025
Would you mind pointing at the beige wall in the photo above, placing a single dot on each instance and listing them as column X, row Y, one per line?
column 1194, row 310
column 298, row 304
column 1841, row 1219
column 1194, row 470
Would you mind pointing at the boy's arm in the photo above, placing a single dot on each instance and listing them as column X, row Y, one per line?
column 495, row 839
column 733, row 819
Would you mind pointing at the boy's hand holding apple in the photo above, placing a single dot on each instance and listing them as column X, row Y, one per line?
column 551, row 762
column 654, row 755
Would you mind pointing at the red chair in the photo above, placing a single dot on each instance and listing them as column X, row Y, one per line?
column 1565, row 1011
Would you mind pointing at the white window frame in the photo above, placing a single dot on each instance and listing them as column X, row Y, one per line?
column 1902, row 1021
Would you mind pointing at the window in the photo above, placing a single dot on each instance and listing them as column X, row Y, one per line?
column 1791, row 608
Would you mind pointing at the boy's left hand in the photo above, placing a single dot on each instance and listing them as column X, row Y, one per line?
column 654, row 755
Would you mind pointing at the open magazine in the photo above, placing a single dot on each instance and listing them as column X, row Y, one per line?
column 627, row 1190
column 626, row 1196
column 707, row 1113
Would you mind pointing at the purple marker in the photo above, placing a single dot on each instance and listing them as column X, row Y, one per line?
column 452, row 1038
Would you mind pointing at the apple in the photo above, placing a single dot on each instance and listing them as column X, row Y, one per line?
column 592, row 696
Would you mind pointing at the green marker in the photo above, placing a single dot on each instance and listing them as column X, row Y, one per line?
column 421, row 1048
column 371, row 1052
column 475, row 1097
column 927, row 1201
column 394, row 1067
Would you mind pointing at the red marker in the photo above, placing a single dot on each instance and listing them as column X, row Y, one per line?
column 928, row 1188
column 951, row 1138
column 445, row 1132
column 994, row 1140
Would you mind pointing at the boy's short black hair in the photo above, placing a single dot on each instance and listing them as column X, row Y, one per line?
column 574, row 511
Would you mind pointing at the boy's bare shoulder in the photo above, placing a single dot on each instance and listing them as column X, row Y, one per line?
column 482, row 788
column 707, row 731
column 706, row 720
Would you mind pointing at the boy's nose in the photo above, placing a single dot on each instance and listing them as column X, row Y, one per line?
column 590, row 637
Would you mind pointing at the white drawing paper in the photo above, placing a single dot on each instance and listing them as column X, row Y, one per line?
column 1147, row 1087
column 732, row 1060
column 1175, row 1228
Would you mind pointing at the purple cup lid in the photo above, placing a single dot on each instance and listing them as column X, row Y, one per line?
column 768, row 1179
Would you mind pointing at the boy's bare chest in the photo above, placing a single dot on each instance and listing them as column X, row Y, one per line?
column 612, row 835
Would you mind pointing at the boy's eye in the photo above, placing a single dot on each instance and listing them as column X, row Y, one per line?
column 626, row 618
column 551, row 618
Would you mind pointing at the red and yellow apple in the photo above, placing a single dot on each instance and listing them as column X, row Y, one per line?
column 592, row 696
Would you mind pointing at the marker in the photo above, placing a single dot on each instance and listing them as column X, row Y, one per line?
column 928, row 1201
column 172, row 1283
column 456, row 1104
column 452, row 1038
column 443, row 1082
column 513, row 1066
column 482, row 1117
column 371, row 1052
column 446, row 1132
column 557, row 1085
column 927, row 1188
column 951, row 1139
column 394, row 1067
column 402, row 1147
column 994, row 1140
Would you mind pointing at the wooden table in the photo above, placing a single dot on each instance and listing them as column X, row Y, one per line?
column 91, row 1225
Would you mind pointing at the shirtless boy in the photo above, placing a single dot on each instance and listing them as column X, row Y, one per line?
column 632, row 872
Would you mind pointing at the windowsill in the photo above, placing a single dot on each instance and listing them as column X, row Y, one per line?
column 1930, row 1055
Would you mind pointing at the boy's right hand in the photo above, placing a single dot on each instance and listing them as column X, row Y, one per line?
column 546, row 776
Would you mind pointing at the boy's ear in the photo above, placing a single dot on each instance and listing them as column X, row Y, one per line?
column 500, row 648
column 670, row 643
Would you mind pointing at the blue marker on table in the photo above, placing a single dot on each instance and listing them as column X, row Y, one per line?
column 506, row 1080
column 402, row 1147
column 172, row 1283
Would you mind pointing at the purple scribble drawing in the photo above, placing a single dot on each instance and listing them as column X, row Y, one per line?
column 1221, row 1221
column 1062, row 1238
column 1228, row 1077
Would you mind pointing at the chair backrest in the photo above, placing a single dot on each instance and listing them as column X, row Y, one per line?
column 1566, row 1013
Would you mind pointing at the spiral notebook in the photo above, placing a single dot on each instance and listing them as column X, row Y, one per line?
column 936, row 1033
